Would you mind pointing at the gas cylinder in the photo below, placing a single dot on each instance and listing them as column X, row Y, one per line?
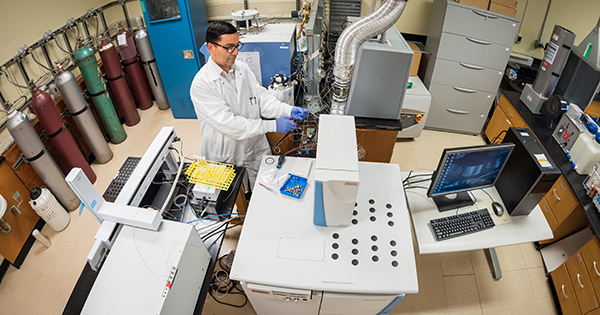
column 147, row 56
column 116, row 78
column 43, row 106
column 88, row 65
column 84, row 118
column 133, row 68
column 34, row 151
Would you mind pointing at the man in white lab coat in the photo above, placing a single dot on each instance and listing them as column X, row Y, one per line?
column 231, row 104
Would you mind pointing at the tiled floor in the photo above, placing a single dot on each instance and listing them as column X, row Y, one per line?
column 453, row 283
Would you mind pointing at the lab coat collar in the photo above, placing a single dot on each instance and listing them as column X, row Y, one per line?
column 214, row 71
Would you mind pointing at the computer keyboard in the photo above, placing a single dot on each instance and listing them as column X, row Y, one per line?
column 461, row 224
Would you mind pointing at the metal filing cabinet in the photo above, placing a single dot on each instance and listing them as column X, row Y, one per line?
column 469, row 51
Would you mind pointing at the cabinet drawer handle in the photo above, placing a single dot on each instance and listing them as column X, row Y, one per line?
column 579, row 280
column 596, row 269
column 456, row 111
column 555, row 195
column 562, row 185
column 478, row 41
column 464, row 90
column 466, row 65
column 563, row 291
column 485, row 15
column 508, row 112
column 546, row 208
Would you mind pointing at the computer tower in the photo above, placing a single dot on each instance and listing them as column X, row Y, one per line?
column 528, row 174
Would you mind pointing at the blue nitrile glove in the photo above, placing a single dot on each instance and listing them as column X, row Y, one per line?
column 284, row 124
column 299, row 113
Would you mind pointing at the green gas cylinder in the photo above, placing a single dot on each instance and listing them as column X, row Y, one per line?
column 88, row 65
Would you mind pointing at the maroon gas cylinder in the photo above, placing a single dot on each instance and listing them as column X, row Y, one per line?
column 133, row 68
column 43, row 106
column 118, row 84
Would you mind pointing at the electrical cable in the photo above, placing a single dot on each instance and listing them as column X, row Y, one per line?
column 168, row 199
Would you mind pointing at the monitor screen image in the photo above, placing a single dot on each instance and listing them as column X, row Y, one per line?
column 467, row 168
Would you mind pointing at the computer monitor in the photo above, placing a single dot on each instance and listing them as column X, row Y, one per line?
column 464, row 169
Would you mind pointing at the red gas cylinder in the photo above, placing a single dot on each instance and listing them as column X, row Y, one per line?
column 133, row 68
column 43, row 106
column 118, row 84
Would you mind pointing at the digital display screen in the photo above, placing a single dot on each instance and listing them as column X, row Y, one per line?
column 469, row 168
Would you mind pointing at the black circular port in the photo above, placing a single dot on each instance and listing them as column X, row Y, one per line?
column 334, row 256
column 373, row 219
column 335, row 236
column 354, row 241
column 374, row 248
column 389, row 214
column 355, row 262
column 335, row 245
column 391, row 223
column 371, row 201
column 374, row 238
column 375, row 258
column 394, row 253
column 394, row 263
column 355, row 251
column 372, row 210
column 354, row 221
column 393, row 243
column 389, row 206
column 354, row 212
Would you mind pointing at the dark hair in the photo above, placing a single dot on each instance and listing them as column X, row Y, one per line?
column 215, row 30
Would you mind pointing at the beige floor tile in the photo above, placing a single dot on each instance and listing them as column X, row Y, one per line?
column 539, row 282
column 542, row 306
column 510, row 258
column 480, row 260
column 531, row 256
column 404, row 156
column 457, row 263
column 462, row 294
column 513, row 287
column 461, row 140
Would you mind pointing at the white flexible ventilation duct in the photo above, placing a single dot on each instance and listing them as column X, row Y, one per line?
column 349, row 43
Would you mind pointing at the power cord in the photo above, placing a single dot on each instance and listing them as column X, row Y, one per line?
column 221, row 283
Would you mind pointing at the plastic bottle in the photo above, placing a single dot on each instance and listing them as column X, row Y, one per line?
column 585, row 152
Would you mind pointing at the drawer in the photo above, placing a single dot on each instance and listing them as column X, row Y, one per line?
column 466, row 75
column 548, row 213
column 473, row 51
column 564, row 291
column 446, row 117
column 460, row 98
column 479, row 23
column 591, row 256
column 582, row 285
column 561, row 199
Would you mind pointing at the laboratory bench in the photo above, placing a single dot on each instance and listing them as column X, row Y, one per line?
column 571, row 257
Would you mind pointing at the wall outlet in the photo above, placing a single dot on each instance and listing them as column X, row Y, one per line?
column 310, row 132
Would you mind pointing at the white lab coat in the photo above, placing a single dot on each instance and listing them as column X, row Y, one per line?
column 231, row 123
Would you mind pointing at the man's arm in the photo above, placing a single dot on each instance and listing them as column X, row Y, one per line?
column 213, row 110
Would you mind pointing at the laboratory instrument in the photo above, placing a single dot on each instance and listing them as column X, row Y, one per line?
column 415, row 109
column 82, row 115
column 467, row 168
column 48, row 208
column 42, row 105
column 117, row 82
column 133, row 69
column 37, row 155
column 559, row 47
column 96, row 88
column 336, row 172
column 569, row 127
column 144, row 46
column 585, row 152
column 461, row 224
column 528, row 175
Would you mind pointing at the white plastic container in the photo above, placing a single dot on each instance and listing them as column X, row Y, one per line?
column 49, row 209
column 41, row 238
column 585, row 153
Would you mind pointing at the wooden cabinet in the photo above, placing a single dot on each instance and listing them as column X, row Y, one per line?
column 577, row 281
column 504, row 117
column 15, row 192
column 562, row 210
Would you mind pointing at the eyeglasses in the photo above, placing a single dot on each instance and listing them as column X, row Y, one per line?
column 231, row 48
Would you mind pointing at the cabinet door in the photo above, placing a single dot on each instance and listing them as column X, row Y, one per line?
column 582, row 285
column 561, row 199
column 511, row 112
column 21, row 224
column 496, row 125
column 548, row 213
column 564, row 291
column 591, row 256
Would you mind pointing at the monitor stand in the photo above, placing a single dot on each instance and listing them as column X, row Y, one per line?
column 453, row 201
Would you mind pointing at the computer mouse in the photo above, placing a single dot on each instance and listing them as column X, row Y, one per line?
column 498, row 208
